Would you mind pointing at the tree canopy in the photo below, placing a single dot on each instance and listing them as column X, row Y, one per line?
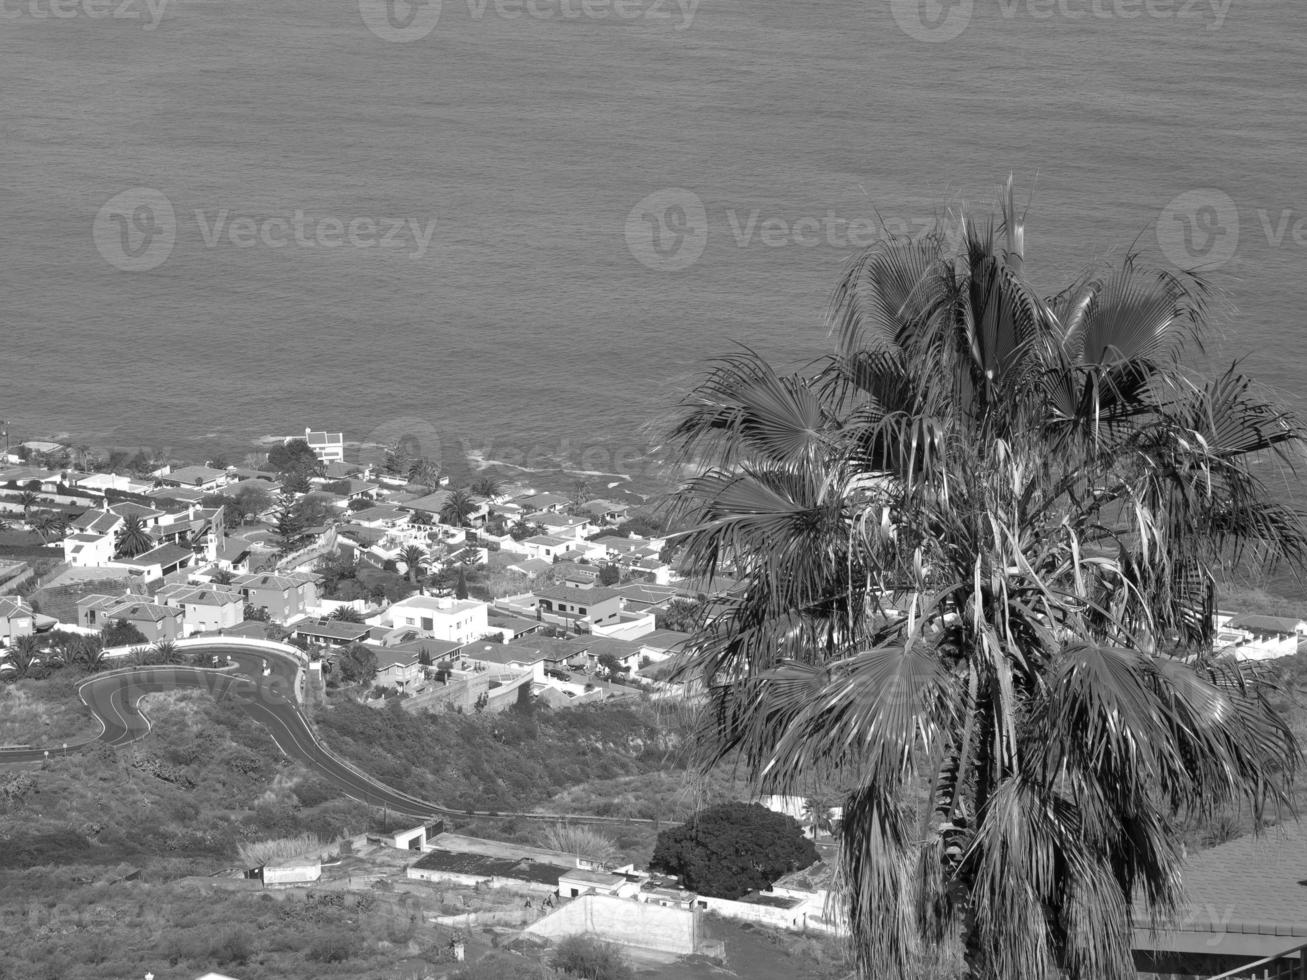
column 975, row 549
column 729, row 850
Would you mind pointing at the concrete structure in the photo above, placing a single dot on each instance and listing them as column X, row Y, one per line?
column 522, row 874
column 86, row 549
column 640, row 925
column 157, row 562
column 582, row 881
column 292, row 871
column 451, row 620
column 780, row 908
column 414, row 838
column 1255, row 637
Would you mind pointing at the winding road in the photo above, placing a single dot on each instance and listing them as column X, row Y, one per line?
column 263, row 681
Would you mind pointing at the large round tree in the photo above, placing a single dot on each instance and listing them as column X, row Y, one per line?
column 975, row 548
column 729, row 850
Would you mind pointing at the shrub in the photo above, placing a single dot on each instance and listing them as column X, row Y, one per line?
column 590, row 959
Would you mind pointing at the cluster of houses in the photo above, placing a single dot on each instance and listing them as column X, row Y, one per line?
column 564, row 637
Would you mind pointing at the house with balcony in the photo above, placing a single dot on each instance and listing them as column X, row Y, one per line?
column 329, row 447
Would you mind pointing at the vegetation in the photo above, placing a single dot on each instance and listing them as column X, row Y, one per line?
column 589, row 958
column 581, row 842
column 1042, row 491
column 357, row 665
column 732, row 849
column 133, row 539
column 294, row 459
column 509, row 761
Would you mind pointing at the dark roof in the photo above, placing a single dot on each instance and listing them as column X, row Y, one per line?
column 332, row 629
column 1257, row 878
column 480, row 865
column 1265, row 624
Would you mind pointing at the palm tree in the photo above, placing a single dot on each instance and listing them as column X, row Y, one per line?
column 346, row 614
column 27, row 500
column 488, row 487
column 414, row 558
column 458, row 508
column 87, row 652
column 22, row 656
column 133, row 539
column 975, row 548
column 223, row 576
column 166, row 652
column 49, row 525
column 424, row 473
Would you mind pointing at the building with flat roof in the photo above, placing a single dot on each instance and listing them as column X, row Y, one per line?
column 451, row 620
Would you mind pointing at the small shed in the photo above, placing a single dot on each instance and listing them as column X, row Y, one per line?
column 292, row 871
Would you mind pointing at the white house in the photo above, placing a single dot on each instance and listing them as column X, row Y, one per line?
column 327, row 446
column 451, row 620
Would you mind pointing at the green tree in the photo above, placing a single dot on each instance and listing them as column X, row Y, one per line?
column 610, row 574
column 288, row 525
column 251, row 500
column 358, row 664
column 223, row 576
column 133, row 539
column 23, row 655
column 424, row 473
column 346, row 614
column 27, row 500
column 49, row 525
column 397, row 460
column 166, row 652
column 119, row 633
column 488, row 487
column 731, row 849
column 590, row 958
column 977, row 545
column 414, row 559
column 460, row 587
column 294, row 457
column 458, row 508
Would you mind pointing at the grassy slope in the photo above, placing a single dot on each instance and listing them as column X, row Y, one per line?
column 44, row 712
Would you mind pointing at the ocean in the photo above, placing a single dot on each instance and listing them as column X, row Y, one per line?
column 521, row 228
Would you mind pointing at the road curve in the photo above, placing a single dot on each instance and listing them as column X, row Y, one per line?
column 263, row 684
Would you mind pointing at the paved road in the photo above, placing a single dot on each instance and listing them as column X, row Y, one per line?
column 269, row 698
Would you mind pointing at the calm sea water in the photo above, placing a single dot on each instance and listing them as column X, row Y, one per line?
column 527, row 325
